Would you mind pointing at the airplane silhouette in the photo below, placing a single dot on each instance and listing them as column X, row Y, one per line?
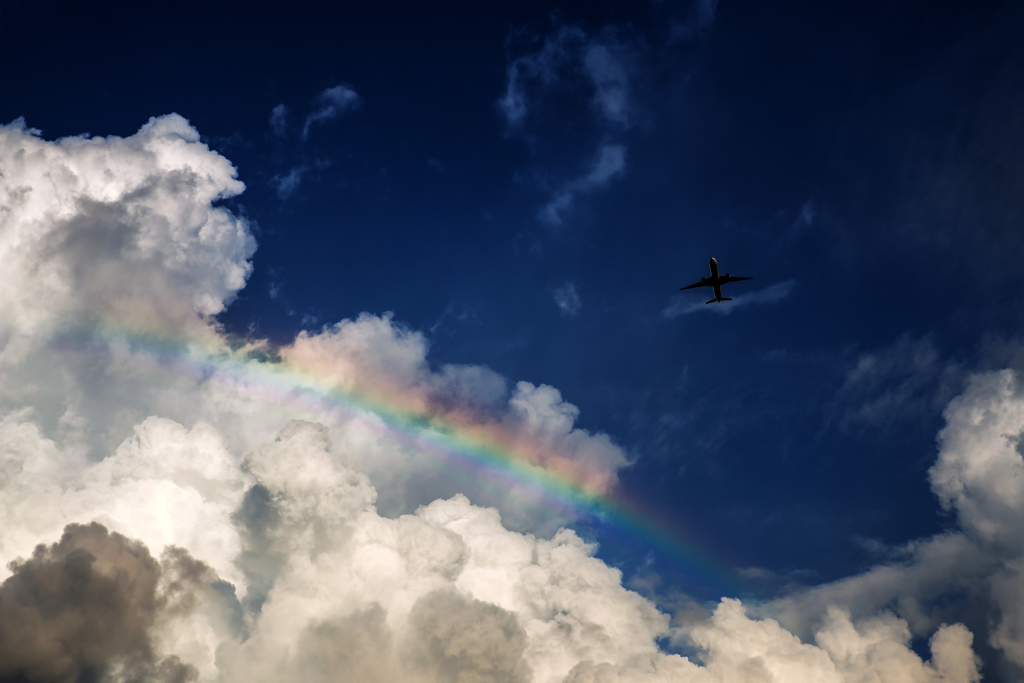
column 716, row 281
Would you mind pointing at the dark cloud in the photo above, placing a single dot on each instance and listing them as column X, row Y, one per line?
column 357, row 647
column 256, row 521
column 83, row 606
column 459, row 639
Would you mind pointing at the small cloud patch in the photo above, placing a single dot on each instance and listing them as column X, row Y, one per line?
column 769, row 295
column 609, row 164
column 332, row 103
column 279, row 120
column 567, row 299
column 289, row 182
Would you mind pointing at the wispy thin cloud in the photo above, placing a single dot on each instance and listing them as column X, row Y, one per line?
column 769, row 295
column 698, row 19
column 570, row 60
column 543, row 67
column 332, row 103
column 289, row 182
column 611, row 83
column 567, row 298
column 807, row 214
column 610, row 163
column 906, row 380
column 279, row 120
column 566, row 54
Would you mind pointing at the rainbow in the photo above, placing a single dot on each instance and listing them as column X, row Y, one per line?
column 460, row 442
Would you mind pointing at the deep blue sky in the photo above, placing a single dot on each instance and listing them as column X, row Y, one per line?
column 869, row 152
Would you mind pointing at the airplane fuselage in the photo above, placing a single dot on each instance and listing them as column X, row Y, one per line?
column 715, row 285
column 715, row 282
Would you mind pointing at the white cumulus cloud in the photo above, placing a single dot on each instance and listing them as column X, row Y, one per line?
column 125, row 226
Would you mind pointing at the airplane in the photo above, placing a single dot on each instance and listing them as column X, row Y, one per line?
column 716, row 281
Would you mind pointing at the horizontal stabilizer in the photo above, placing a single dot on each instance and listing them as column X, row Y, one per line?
column 724, row 298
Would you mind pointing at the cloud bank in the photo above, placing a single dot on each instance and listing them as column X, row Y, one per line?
column 308, row 505
column 972, row 571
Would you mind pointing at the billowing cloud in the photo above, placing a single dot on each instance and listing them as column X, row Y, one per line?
column 461, row 639
column 979, row 472
column 445, row 594
column 117, row 226
column 772, row 294
column 326, row 509
column 969, row 573
column 377, row 359
column 85, row 607
column 330, row 104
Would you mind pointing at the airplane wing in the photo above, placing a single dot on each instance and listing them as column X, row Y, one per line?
column 732, row 278
column 695, row 284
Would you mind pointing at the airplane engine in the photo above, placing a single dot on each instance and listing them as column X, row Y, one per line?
column 702, row 280
column 727, row 275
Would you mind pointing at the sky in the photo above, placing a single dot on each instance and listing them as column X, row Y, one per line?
column 348, row 343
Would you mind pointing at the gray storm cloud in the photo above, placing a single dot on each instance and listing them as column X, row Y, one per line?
column 84, row 607
column 302, row 543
